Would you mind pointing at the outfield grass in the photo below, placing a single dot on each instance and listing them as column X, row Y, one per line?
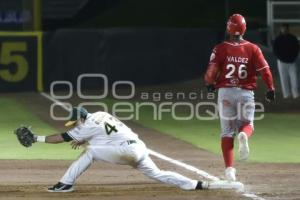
column 12, row 116
column 276, row 138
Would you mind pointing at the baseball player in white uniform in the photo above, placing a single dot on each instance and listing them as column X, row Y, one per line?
column 110, row 140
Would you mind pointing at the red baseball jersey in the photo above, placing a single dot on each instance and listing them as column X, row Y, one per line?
column 237, row 64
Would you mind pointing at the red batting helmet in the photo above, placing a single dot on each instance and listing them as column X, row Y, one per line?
column 236, row 25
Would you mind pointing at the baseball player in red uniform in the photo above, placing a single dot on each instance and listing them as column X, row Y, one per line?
column 232, row 70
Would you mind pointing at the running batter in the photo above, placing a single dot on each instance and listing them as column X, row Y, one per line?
column 232, row 69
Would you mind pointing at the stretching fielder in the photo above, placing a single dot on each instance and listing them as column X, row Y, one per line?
column 110, row 141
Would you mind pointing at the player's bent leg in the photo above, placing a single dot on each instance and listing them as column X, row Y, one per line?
column 148, row 168
column 245, row 131
column 75, row 170
column 247, row 128
column 243, row 146
column 245, row 122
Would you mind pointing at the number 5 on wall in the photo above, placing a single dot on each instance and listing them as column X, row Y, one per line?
column 21, row 61
column 9, row 55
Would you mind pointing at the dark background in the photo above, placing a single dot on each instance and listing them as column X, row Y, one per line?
column 144, row 41
column 150, row 13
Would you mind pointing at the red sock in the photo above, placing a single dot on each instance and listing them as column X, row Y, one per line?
column 248, row 129
column 227, row 149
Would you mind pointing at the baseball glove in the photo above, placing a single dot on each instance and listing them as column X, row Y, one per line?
column 270, row 96
column 25, row 136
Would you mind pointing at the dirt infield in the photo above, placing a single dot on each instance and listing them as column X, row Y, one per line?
column 100, row 181
column 21, row 179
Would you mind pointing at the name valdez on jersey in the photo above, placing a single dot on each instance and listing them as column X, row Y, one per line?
column 237, row 59
column 235, row 65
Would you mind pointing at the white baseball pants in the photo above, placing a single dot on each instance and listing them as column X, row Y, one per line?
column 135, row 155
column 236, row 108
column 288, row 79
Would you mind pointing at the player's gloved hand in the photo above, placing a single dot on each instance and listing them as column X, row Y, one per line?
column 210, row 88
column 25, row 136
column 270, row 96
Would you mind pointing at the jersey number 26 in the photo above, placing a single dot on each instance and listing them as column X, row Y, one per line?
column 242, row 71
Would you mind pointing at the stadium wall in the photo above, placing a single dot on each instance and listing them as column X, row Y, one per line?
column 142, row 55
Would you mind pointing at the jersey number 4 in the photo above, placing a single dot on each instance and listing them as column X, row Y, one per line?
column 109, row 128
column 242, row 71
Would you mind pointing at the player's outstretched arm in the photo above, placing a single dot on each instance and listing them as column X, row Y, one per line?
column 54, row 139
column 27, row 138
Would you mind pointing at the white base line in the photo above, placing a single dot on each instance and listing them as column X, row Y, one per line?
column 57, row 102
column 181, row 164
column 168, row 159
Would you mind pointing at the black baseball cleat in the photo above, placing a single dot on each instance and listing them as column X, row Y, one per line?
column 61, row 187
column 200, row 185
